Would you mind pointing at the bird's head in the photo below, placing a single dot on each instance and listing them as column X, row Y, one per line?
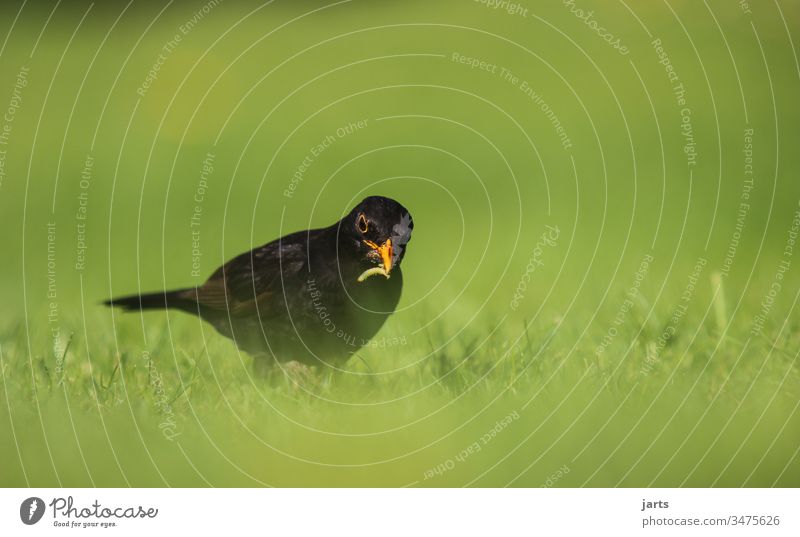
column 376, row 231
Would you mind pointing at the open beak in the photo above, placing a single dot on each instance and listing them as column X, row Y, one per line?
column 385, row 251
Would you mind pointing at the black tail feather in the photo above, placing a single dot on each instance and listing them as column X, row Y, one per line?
column 154, row 301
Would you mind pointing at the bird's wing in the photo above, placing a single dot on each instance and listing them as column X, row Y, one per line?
column 251, row 281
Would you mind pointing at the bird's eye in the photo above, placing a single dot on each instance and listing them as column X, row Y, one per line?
column 362, row 224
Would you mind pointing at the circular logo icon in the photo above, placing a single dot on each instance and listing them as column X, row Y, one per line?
column 31, row 511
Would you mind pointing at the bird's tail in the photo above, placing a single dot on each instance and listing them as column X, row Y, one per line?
column 179, row 299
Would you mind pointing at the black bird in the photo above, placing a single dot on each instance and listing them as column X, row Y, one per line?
column 312, row 297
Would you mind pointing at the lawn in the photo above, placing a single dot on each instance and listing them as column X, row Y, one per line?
column 601, row 289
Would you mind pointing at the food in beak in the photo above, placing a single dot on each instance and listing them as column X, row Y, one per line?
column 372, row 272
column 386, row 253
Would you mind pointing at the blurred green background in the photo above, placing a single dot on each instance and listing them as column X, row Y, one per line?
column 113, row 110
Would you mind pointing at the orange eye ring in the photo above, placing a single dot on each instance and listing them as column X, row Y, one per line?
column 361, row 223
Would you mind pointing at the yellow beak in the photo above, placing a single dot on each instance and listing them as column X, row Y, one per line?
column 385, row 251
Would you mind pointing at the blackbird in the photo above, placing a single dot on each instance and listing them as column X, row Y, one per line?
column 312, row 297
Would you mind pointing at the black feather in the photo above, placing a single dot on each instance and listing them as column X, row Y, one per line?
column 155, row 301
